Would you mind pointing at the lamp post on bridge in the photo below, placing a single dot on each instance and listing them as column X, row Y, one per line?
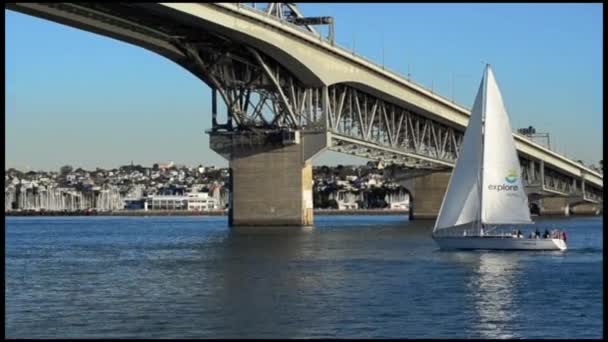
column 454, row 76
column 409, row 74
column 382, row 50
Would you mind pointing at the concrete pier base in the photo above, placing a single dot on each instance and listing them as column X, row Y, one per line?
column 555, row 206
column 586, row 209
column 271, row 188
column 427, row 194
column 270, row 176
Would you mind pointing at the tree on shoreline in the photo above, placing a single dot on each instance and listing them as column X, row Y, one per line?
column 64, row 170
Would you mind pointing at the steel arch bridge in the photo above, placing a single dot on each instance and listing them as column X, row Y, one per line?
column 299, row 85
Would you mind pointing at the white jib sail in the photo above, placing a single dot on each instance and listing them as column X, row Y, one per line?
column 461, row 203
column 503, row 198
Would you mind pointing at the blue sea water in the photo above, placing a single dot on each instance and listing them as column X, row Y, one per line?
column 349, row 276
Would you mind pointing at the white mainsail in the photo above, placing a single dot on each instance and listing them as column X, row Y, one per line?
column 497, row 196
column 461, row 203
column 503, row 198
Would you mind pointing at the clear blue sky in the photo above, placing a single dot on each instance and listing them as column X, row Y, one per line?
column 78, row 98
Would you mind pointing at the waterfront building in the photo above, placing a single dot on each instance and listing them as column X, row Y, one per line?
column 135, row 203
column 197, row 201
column 165, row 202
column 346, row 198
column 200, row 201
column 399, row 199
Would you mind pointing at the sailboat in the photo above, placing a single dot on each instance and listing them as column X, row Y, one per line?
column 485, row 193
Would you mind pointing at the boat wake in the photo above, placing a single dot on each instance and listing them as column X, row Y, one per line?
column 586, row 250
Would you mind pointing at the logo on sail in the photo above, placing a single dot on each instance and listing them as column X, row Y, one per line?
column 511, row 176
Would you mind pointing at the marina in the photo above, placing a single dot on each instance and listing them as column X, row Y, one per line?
column 220, row 212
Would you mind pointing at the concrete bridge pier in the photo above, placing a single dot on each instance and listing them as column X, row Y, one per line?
column 555, row 206
column 586, row 209
column 271, row 176
column 272, row 187
column 427, row 194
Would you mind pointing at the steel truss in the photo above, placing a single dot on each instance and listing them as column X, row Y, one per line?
column 592, row 194
column 357, row 117
column 263, row 97
column 258, row 92
column 288, row 12
column 528, row 175
column 557, row 182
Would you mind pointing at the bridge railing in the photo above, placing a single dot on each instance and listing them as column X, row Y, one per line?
column 343, row 48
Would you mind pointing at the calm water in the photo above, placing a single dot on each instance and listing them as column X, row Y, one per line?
column 350, row 276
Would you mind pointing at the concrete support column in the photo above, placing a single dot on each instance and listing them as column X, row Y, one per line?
column 270, row 176
column 542, row 174
column 427, row 195
column 325, row 100
column 555, row 206
column 586, row 209
column 272, row 188
column 531, row 175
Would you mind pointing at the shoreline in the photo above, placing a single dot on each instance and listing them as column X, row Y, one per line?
column 136, row 212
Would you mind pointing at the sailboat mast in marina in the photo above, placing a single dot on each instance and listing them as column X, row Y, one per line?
column 485, row 191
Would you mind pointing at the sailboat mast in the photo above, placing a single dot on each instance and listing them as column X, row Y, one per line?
column 483, row 136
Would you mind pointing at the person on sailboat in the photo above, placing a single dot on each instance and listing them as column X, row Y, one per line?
column 536, row 234
column 546, row 234
column 519, row 234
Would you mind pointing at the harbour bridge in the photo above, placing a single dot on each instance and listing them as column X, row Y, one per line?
column 290, row 93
